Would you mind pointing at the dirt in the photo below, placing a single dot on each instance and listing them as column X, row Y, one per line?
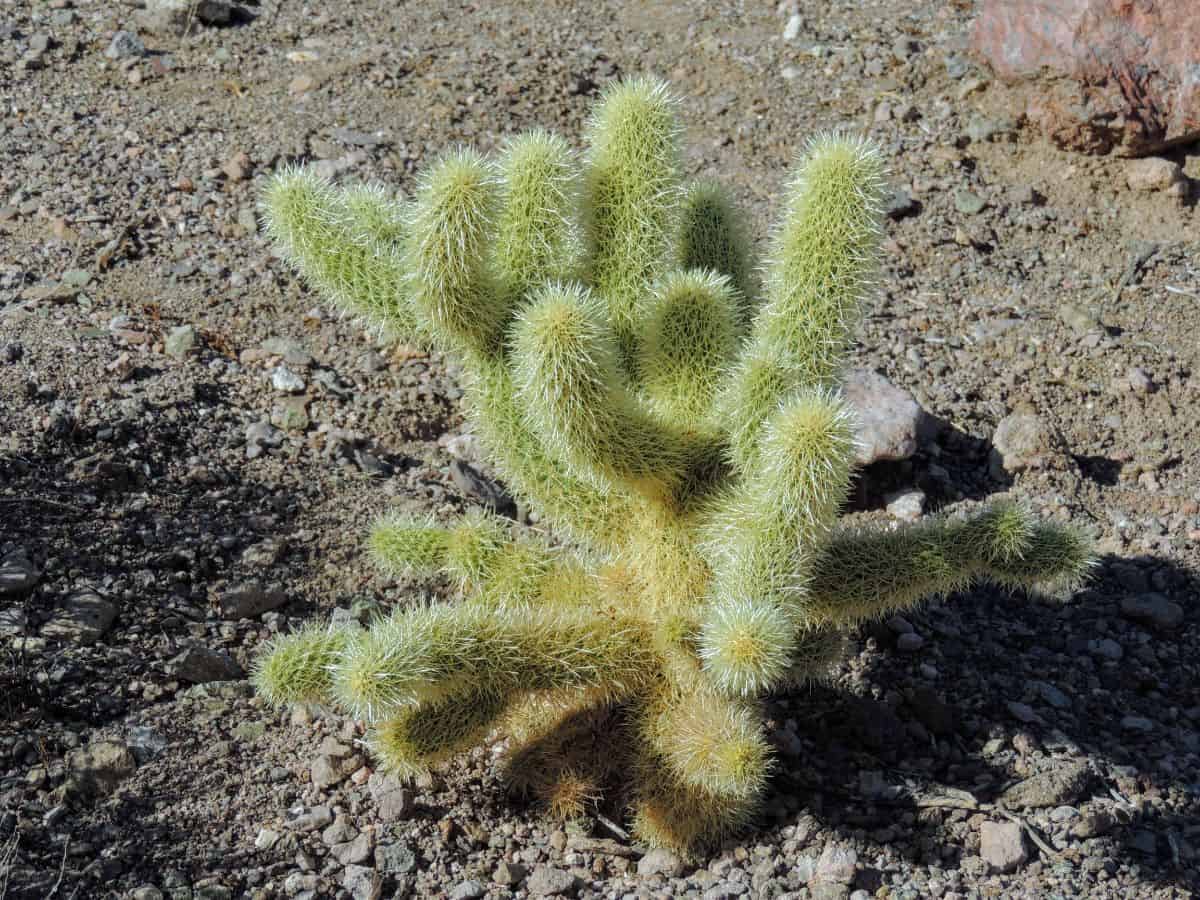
column 140, row 492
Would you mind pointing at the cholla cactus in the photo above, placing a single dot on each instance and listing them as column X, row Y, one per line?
column 680, row 424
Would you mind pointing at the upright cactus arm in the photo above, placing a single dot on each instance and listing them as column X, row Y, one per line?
column 589, row 512
column 713, row 236
column 422, row 655
column 537, row 238
column 689, row 341
column 567, row 373
column 631, row 192
column 760, row 538
column 346, row 244
column 860, row 575
column 822, row 266
column 450, row 226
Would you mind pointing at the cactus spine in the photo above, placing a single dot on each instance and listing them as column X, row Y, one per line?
column 683, row 428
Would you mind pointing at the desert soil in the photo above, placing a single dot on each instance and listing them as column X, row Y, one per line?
column 192, row 445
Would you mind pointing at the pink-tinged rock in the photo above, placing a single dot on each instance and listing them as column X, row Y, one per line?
column 890, row 420
column 1119, row 75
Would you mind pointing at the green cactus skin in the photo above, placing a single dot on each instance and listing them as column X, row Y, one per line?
column 682, row 428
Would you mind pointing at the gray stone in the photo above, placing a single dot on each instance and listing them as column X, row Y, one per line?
column 1152, row 609
column 548, row 881
column 200, row 665
column 1093, row 824
column 259, row 437
column 836, row 865
column 146, row 892
column 249, row 599
column 1024, row 441
column 1022, row 712
column 125, row 45
column 293, row 352
column 889, row 418
column 362, row 883
column 394, row 802
column 899, row 204
column 509, row 874
column 1106, row 648
column 1152, row 174
column 1051, row 695
column 181, row 341
column 968, row 203
column 1054, row 787
column 475, row 484
column 325, row 772
column 290, row 413
column 468, row 890
column 908, row 505
column 83, row 617
column 286, row 381
column 17, row 574
column 395, row 859
column 176, row 16
column 909, row 643
column 1002, row 846
column 1080, row 320
column 266, row 839
column 304, row 818
column 1137, row 723
column 660, row 862
column 340, row 832
column 1140, row 381
column 97, row 770
column 355, row 851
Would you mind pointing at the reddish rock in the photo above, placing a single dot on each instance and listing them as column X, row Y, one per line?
column 1112, row 75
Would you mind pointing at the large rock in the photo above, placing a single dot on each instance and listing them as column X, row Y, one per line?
column 890, row 420
column 1002, row 846
column 97, row 770
column 1124, row 75
column 83, row 617
column 1054, row 787
column 1023, row 440
column 200, row 665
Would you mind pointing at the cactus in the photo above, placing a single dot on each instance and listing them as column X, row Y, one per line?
column 676, row 418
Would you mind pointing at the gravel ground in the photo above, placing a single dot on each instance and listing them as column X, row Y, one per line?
column 191, row 447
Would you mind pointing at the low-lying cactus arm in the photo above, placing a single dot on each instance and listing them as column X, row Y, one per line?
column 861, row 575
column 298, row 667
column 424, row 654
column 709, row 742
column 421, row 736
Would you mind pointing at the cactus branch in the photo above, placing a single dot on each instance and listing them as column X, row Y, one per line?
column 348, row 245
column 862, row 575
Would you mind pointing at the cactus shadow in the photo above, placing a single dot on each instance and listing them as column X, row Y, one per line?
column 950, row 465
column 908, row 753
